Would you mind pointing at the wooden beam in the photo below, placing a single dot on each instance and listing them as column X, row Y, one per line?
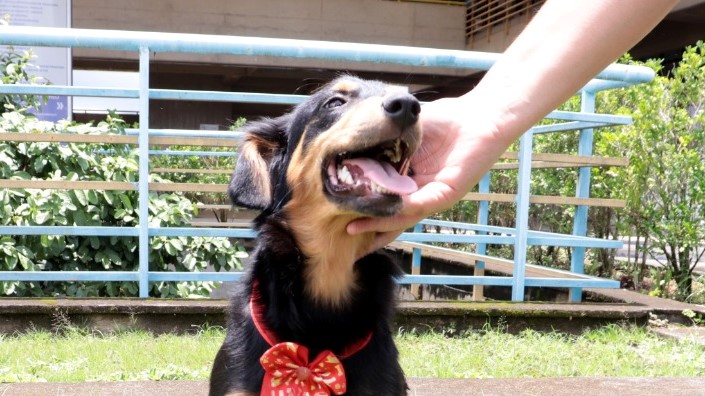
column 116, row 139
column 215, row 207
column 581, row 160
column 600, row 202
column 238, row 213
column 188, row 187
column 193, row 141
column 547, row 199
column 67, row 138
column 221, row 188
column 194, row 171
column 106, row 185
column 539, row 160
column 552, row 164
column 222, row 224
column 492, row 264
column 67, row 185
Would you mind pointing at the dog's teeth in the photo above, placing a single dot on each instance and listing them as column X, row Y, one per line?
column 394, row 153
column 397, row 150
column 378, row 189
column 344, row 175
column 389, row 153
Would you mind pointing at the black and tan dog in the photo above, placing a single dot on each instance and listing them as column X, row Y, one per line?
column 310, row 317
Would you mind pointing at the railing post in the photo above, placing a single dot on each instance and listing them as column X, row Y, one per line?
column 522, row 215
column 143, row 184
column 577, row 263
column 416, row 265
column 483, row 215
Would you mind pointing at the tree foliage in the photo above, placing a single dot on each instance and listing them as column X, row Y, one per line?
column 664, row 184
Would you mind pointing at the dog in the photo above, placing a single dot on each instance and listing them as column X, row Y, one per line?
column 310, row 317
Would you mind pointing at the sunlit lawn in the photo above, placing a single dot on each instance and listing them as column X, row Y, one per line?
column 135, row 355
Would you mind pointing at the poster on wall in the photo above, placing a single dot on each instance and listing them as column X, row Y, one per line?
column 53, row 65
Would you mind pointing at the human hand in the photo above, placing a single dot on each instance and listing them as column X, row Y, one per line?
column 464, row 136
column 459, row 145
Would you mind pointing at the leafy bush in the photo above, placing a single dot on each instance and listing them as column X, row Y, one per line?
column 51, row 161
column 15, row 69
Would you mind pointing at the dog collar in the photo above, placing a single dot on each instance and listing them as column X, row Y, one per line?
column 286, row 364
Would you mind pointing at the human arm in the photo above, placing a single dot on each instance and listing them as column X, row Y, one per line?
column 561, row 49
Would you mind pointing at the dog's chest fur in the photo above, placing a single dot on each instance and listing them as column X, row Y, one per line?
column 294, row 317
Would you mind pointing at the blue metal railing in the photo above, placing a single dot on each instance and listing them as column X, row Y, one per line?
column 146, row 43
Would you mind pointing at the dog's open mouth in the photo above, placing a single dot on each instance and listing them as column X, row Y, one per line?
column 381, row 170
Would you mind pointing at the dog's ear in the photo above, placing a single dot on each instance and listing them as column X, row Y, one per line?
column 250, row 185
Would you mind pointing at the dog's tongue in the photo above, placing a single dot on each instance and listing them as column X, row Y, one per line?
column 384, row 174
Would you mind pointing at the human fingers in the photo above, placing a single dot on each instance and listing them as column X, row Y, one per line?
column 431, row 198
column 396, row 223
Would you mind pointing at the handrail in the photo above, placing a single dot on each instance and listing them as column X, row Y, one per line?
column 146, row 43
column 279, row 48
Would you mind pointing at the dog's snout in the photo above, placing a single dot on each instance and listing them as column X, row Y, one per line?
column 402, row 108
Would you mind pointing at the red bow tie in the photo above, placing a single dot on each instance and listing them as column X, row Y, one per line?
column 286, row 366
column 288, row 372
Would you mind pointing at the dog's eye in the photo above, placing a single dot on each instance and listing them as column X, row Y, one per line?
column 334, row 102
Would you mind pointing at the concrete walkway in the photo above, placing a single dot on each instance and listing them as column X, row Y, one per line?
column 573, row 386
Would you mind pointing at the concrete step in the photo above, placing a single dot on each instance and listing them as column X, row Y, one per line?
column 161, row 315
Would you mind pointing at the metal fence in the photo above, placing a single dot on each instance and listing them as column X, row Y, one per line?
column 480, row 234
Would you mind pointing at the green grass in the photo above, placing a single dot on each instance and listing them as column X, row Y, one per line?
column 76, row 355
column 610, row 351
column 134, row 355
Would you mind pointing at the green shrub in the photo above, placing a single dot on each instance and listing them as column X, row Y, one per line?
column 14, row 67
column 52, row 161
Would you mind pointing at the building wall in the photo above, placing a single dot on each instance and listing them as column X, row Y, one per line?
column 367, row 21
column 498, row 38
column 176, row 114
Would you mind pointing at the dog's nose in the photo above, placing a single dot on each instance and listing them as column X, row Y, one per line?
column 402, row 108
